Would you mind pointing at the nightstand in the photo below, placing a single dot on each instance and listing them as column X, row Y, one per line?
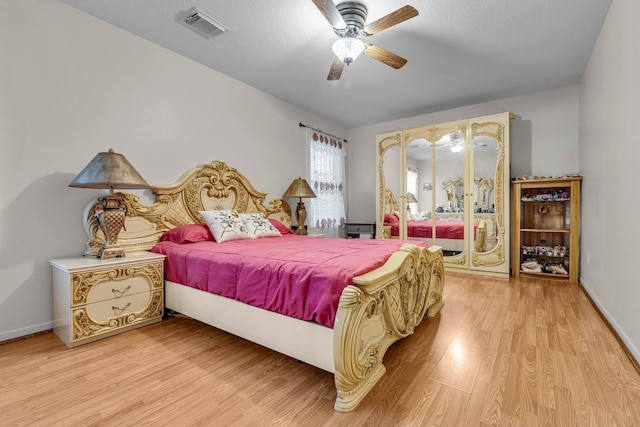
column 354, row 230
column 95, row 298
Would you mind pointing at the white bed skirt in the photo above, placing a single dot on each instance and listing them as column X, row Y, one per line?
column 456, row 245
column 309, row 342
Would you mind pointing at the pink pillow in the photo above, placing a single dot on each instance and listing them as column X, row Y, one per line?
column 283, row 229
column 390, row 218
column 189, row 233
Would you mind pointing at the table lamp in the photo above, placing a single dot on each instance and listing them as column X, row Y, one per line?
column 110, row 170
column 299, row 188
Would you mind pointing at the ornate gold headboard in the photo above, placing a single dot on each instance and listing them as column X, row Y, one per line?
column 484, row 186
column 390, row 202
column 209, row 186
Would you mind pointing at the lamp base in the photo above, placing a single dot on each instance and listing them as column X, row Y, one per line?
column 301, row 217
column 111, row 221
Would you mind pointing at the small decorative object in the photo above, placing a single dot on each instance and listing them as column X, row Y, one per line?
column 300, row 188
column 110, row 170
column 557, row 269
column 531, row 267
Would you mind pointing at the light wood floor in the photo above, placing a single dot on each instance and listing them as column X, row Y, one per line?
column 502, row 352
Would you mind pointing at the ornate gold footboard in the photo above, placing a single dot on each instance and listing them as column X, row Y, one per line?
column 386, row 305
column 381, row 306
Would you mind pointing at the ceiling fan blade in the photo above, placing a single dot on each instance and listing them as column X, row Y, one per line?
column 384, row 56
column 400, row 15
column 330, row 12
column 336, row 69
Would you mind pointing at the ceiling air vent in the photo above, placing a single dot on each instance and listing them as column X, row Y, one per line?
column 202, row 23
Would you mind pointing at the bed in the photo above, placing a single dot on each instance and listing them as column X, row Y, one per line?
column 376, row 308
column 450, row 232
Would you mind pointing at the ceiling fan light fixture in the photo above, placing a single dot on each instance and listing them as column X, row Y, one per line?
column 347, row 49
column 456, row 148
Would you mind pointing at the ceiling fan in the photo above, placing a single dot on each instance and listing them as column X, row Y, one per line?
column 348, row 22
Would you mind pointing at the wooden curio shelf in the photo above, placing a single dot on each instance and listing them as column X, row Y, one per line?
column 546, row 228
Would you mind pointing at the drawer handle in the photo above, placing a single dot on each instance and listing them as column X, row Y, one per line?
column 118, row 294
column 118, row 310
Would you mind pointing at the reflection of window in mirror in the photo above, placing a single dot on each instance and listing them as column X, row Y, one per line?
column 412, row 188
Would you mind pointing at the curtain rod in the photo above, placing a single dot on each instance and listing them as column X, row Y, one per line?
column 302, row 125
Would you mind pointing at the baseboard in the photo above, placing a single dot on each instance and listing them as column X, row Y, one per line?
column 622, row 339
column 18, row 334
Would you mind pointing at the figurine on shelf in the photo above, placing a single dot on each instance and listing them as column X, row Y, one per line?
column 531, row 267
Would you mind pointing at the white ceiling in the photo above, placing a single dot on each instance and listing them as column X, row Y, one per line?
column 459, row 52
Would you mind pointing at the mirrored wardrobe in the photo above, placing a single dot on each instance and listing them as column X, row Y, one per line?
column 448, row 184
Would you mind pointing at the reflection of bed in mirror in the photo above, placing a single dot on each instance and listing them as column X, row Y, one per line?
column 488, row 218
column 450, row 231
column 483, row 209
column 471, row 157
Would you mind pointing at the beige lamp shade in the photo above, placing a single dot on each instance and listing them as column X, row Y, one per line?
column 299, row 188
column 109, row 170
column 411, row 198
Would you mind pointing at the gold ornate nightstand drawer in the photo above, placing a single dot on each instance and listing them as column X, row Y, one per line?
column 100, row 285
column 111, row 315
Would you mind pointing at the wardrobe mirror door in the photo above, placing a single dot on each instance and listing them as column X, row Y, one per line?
column 485, row 160
column 389, row 188
column 420, row 190
column 450, row 226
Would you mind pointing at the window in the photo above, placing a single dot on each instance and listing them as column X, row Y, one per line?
column 327, row 172
column 412, row 189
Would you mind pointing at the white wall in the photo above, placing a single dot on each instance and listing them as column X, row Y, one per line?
column 609, row 156
column 544, row 141
column 72, row 86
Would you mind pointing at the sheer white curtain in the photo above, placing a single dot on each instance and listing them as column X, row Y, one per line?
column 327, row 177
column 412, row 187
column 412, row 180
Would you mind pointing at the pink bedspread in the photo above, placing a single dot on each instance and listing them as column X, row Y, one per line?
column 298, row 276
column 445, row 229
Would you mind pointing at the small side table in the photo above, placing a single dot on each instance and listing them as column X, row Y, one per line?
column 355, row 230
column 95, row 298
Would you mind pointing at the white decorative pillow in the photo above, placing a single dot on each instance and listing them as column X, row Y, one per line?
column 225, row 225
column 259, row 226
